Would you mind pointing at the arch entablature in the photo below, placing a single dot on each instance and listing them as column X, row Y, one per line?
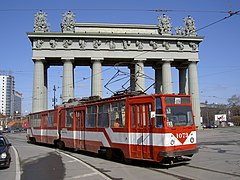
column 113, row 47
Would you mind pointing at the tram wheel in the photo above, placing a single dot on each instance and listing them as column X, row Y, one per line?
column 109, row 154
column 61, row 145
column 127, row 161
column 33, row 141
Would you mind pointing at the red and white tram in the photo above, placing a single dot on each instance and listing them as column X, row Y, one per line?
column 157, row 127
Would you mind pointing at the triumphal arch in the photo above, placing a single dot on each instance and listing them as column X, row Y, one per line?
column 96, row 45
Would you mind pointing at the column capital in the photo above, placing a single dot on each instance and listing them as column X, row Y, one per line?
column 67, row 60
column 167, row 60
column 140, row 59
column 193, row 60
column 97, row 59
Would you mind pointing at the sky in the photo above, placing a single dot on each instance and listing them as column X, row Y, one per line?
column 219, row 53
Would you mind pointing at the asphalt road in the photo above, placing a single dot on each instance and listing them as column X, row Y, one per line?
column 218, row 158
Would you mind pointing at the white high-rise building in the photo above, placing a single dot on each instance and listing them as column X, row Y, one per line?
column 7, row 86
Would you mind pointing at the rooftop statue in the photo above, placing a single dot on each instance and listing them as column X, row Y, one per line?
column 164, row 25
column 189, row 26
column 40, row 22
column 179, row 31
column 68, row 22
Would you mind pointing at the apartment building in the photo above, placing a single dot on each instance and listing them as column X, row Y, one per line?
column 7, row 90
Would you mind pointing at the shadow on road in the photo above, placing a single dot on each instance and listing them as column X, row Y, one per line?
column 49, row 167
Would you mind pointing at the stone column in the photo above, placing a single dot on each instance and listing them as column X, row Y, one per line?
column 39, row 90
column 132, row 77
column 183, row 86
column 193, row 91
column 139, row 75
column 96, row 88
column 68, row 80
column 158, row 79
column 167, row 76
column 45, row 101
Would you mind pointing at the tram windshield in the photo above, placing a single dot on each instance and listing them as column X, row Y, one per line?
column 179, row 116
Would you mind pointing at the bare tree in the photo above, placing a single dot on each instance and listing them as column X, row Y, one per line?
column 234, row 100
column 234, row 105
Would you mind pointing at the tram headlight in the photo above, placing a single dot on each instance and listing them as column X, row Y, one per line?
column 172, row 142
column 192, row 140
column 3, row 155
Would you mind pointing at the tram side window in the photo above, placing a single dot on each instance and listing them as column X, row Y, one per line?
column 149, row 109
column 50, row 119
column 35, row 120
column 159, row 113
column 91, row 116
column 30, row 123
column 78, row 118
column 69, row 117
column 133, row 116
column 103, row 110
column 118, row 114
column 146, row 115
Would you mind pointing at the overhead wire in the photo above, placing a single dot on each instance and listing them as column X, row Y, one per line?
column 231, row 14
column 118, row 9
column 191, row 11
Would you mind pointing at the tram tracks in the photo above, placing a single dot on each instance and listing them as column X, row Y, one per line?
column 171, row 174
column 213, row 171
column 180, row 174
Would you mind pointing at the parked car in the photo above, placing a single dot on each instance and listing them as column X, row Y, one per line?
column 211, row 126
column 5, row 156
column 230, row 124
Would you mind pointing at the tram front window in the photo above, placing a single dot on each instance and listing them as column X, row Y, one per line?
column 179, row 116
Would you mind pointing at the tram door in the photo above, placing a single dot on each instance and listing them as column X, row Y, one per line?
column 141, row 131
column 80, row 128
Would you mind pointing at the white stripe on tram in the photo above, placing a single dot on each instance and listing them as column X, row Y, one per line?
column 155, row 139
